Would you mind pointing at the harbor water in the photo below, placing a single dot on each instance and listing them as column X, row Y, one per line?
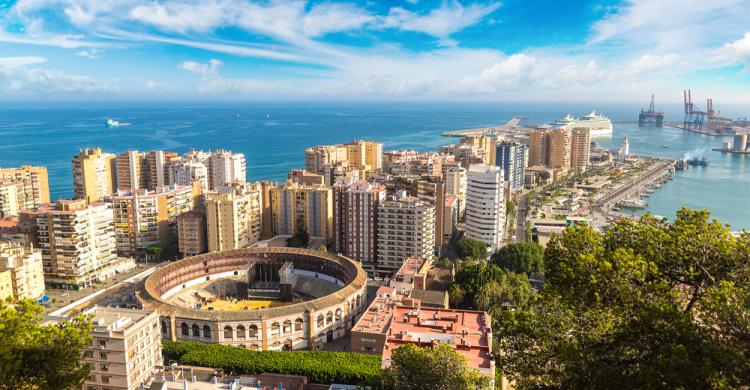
column 273, row 137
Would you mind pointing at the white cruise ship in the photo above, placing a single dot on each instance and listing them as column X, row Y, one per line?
column 599, row 125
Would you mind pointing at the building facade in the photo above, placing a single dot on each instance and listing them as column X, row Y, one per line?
column 233, row 216
column 580, row 148
column 455, row 184
column 511, row 157
column 24, row 266
column 312, row 205
column 224, row 167
column 192, row 237
column 132, row 171
column 94, row 175
column 356, row 208
column 186, row 172
column 8, row 199
column 77, row 241
column 31, row 184
column 406, row 228
column 485, row 205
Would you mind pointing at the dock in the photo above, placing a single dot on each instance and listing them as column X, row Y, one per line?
column 511, row 124
column 636, row 185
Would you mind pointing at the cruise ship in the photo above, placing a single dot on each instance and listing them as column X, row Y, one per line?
column 599, row 125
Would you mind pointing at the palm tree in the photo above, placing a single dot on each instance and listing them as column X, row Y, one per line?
column 456, row 295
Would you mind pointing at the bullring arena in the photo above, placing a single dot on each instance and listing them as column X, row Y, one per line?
column 258, row 298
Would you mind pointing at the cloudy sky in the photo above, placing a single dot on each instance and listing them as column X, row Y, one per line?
column 374, row 50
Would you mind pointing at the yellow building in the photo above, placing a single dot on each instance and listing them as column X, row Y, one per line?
column 31, row 183
column 8, row 199
column 580, row 148
column 365, row 155
column 25, row 267
column 312, row 205
column 6, row 285
column 233, row 216
column 485, row 144
column 94, row 175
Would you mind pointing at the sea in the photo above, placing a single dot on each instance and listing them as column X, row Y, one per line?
column 274, row 135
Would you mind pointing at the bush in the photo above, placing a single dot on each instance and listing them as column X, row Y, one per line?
column 469, row 248
column 318, row 366
column 521, row 257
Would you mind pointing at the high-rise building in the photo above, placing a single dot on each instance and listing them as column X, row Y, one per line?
column 455, row 184
column 132, row 172
column 431, row 189
column 149, row 218
column 157, row 168
column 32, row 185
column 94, row 175
column 187, row 171
column 266, row 225
column 191, row 233
column 319, row 157
column 305, row 178
column 451, row 217
column 580, row 148
column 485, row 207
column 8, row 199
column 312, row 205
column 356, row 220
column 558, row 148
column 511, row 157
column 224, row 167
column 125, row 350
column 233, row 216
column 357, row 155
column 537, row 149
column 484, row 144
column 365, row 155
column 77, row 241
column 406, row 228
column 6, row 285
column 25, row 267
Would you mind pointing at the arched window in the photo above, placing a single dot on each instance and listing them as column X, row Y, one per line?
column 359, row 300
column 253, row 331
column 228, row 332
column 196, row 330
column 164, row 329
column 206, row 331
column 329, row 318
column 287, row 328
column 338, row 314
column 275, row 327
column 184, row 329
column 321, row 321
column 298, row 324
column 240, row 331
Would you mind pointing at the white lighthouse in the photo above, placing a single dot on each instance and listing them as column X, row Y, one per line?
column 625, row 148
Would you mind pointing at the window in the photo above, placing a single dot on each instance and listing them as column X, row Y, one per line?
column 196, row 330
column 102, row 343
column 103, row 355
column 287, row 327
column 206, row 331
column 184, row 329
column 104, row 367
column 253, row 331
column 105, row 379
column 275, row 327
column 240, row 331
column 298, row 324
column 88, row 354
column 228, row 332
column 321, row 320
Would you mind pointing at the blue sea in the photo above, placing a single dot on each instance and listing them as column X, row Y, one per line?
column 273, row 137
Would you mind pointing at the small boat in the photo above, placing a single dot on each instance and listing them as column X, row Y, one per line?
column 113, row 123
column 696, row 162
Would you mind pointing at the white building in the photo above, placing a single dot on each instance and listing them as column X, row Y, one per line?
column 455, row 184
column 224, row 167
column 25, row 266
column 8, row 200
column 485, row 208
column 185, row 172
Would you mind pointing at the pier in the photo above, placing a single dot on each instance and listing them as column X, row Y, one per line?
column 511, row 124
column 635, row 185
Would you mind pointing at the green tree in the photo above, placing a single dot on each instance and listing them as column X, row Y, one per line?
column 649, row 305
column 154, row 252
column 521, row 257
column 35, row 356
column 469, row 248
column 301, row 237
column 435, row 368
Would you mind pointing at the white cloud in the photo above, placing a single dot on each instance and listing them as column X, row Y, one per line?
column 512, row 72
column 14, row 62
column 17, row 76
column 184, row 17
column 92, row 53
column 736, row 52
column 440, row 22
column 649, row 63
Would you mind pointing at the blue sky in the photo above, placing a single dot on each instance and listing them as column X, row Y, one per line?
column 374, row 50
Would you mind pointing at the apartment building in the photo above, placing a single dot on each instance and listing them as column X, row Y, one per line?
column 511, row 156
column 94, row 175
column 455, row 184
column 77, row 241
column 24, row 265
column 431, row 189
column 8, row 199
column 132, row 171
column 187, row 171
column 157, row 168
column 191, row 233
column 356, row 207
column 31, row 185
column 145, row 218
column 356, row 155
column 406, row 228
column 293, row 203
column 485, row 205
column 233, row 216
column 580, row 148
column 125, row 349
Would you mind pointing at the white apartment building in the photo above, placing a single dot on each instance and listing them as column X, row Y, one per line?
column 25, row 267
column 185, row 172
column 406, row 228
column 455, row 184
column 224, row 167
column 485, row 208
column 8, row 199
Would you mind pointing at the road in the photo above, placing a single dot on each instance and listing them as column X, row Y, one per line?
column 521, row 219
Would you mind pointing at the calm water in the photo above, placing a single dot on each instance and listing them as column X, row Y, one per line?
column 273, row 137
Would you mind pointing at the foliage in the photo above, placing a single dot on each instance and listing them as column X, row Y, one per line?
column 323, row 248
column 484, row 286
column 650, row 304
column 154, row 252
column 469, row 248
column 35, row 356
column 521, row 257
column 439, row 367
column 318, row 366
column 301, row 237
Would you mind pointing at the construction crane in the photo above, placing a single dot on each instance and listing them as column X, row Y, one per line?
column 651, row 117
column 695, row 119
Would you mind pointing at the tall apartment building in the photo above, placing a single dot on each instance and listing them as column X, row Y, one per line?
column 24, row 265
column 187, row 171
column 157, row 168
column 266, row 224
column 233, row 216
column 558, row 148
column 31, row 185
column 511, row 157
column 191, row 233
column 485, row 144
column 451, row 217
column 311, row 205
column 94, row 175
column 148, row 218
column 224, row 167
column 319, row 157
column 125, row 349
column 132, row 171
column 431, row 189
column 580, row 148
column 365, row 155
column 485, row 206
column 356, row 220
column 455, row 184
column 537, row 149
column 8, row 199
column 357, row 155
column 406, row 228
column 77, row 241
column 6, row 285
